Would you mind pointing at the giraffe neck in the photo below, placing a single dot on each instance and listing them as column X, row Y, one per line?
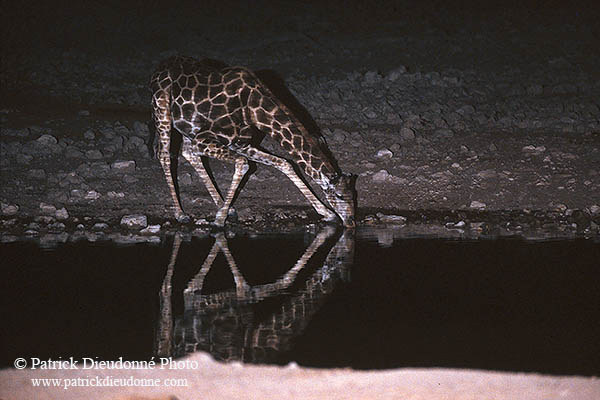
column 307, row 149
column 308, row 152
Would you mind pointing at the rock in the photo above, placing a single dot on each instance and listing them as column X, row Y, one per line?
column 37, row 174
column 466, row 110
column 9, row 209
column 398, row 181
column 47, row 140
column 444, row 133
column 392, row 219
column 91, row 195
column 108, row 133
column 492, row 147
column 61, row 214
column 100, row 226
column 487, row 174
column 372, row 77
column 76, row 193
column 94, row 154
column 339, row 135
column 115, row 195
column 47, row 209
column 24, row 158
column 407, row 133
column 594, row 210
column 136, row 221
column 140, row 128
column 135, row 143
column 151, row 230
column 396, row 73
column 56, row 227
column 129, row 179
column 381, row 176
column 73, row 152
column 370, row 114
column 123, row 166
column 384, row 154
column 185, row 179
column 530, row 149
column 477, row 205
column 89, row 135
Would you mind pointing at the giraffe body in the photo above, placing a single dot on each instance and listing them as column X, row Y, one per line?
column 221, row 112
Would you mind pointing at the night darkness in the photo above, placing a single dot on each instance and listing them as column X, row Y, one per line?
column 462, row 119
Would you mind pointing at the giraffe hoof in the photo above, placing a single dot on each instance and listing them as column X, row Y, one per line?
column 232, row 214
column 218, row 223
column 183, row 218
column 330, row 217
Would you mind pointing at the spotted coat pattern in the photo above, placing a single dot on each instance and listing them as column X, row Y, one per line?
column 218, row 110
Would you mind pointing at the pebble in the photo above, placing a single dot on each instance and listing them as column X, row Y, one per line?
column 381, row 176
column 477, row 205
column 392, row 219
column 595, row 210
column 444, row 133
column 135, row 221
column 56, row 227
column 9, row 209
column 73, row 152
column 531, row 149
column 487, row 174
column 372, row 77
column 185, row 179
column 115, row 195
column 370, row 114
column 47, row 140
column 407, row 133
column 89, row 135
column 396, row 73
column 92, row 195
column 61, row 214
column 384, row 154
column 37, row 174
column 100, row 226
column 94, row 154
column 151, row 230
column 339, row 135
column 129, row 179
column 47, row 209
column 140, row 128
column 123, row 166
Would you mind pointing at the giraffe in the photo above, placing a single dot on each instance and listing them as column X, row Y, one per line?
column 222, row 113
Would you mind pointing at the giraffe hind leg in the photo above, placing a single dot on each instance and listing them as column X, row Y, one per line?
column 201, row 165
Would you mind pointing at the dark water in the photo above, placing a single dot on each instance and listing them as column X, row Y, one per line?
column 322, row 300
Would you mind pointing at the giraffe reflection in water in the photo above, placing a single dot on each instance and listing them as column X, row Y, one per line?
column 228, row 324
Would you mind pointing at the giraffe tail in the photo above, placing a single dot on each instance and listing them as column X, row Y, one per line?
column 152, row 142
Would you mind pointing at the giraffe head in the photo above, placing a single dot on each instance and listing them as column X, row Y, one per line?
column 341, row 195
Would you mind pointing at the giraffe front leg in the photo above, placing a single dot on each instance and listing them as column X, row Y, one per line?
column 285, row 166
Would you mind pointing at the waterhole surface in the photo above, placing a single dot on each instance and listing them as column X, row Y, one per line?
column 321, row 299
